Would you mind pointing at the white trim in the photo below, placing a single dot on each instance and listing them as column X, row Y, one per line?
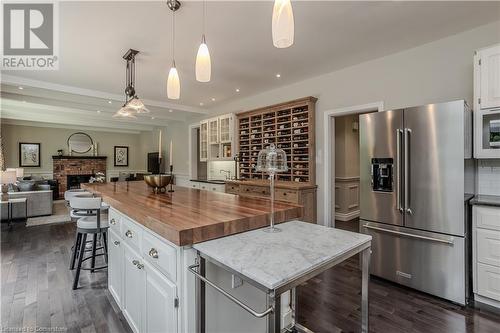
column 16, row 80
column 347, row 216
column 329, row 167
column 30, row 123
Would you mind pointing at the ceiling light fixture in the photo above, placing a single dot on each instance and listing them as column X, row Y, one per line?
column 237, row 89
column 98, row 111
column 278, row 75
column 282, row 24
column 132, row 103
column 109, row 102
column 170, row 111
column 21, row 88
column 201, row 103
column 203, row 62
column 173, row 81
column 213, row 99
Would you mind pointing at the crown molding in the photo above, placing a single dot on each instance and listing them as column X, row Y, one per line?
column 17, row 80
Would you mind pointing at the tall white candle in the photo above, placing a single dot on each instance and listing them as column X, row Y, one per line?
column 159, row 145
column 171, row 152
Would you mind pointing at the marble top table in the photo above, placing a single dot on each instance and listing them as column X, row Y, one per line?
column 278, row 262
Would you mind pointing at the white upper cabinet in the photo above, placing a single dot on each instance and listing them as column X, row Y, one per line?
column 226, row 128
column 203, row 141
column 487, row 102
column 489, row 64
column 213, row 131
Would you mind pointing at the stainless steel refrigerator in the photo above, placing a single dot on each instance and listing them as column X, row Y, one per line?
column 415, row 169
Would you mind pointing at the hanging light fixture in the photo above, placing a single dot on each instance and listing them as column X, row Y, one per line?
column 132, row 103
column 173, row 81
column 203, row 63
column 282, row 25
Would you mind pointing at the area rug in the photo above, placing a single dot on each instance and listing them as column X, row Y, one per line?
column 60, row 215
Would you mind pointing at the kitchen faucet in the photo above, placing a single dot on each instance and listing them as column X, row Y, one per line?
column 227, row 172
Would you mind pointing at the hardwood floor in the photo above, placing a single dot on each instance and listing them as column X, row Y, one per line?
column 36, row 284
column 36, row 292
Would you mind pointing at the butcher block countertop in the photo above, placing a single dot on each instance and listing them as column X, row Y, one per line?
column 278, row 184
column 188, row 216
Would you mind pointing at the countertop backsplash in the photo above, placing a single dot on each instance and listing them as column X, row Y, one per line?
column 488, row 177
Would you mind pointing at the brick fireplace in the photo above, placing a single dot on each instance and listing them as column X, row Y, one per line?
column 84, row 166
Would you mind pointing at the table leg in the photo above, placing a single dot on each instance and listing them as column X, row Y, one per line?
column 9, row 214
column 365, row 278
column 274, row 318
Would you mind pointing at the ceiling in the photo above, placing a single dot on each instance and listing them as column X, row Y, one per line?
column 328, row 36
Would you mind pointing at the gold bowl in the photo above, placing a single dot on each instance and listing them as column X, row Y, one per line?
column 158, row 182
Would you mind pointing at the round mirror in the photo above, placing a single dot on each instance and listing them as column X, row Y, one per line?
column 80, row 143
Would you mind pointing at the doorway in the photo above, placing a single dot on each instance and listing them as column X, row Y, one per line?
column 341, row 151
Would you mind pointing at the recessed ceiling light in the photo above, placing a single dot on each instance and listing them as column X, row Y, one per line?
column 213, row 99
column 98, row 111
column 21, row 88
column 170, row 111
column 278, row 75
column 201, row 103
column 237, row 89
column 152, row 118
column 109, row 102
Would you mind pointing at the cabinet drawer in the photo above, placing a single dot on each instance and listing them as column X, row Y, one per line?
column 131, row 233
column 488, row 283
column 114, row 220
column 232, row 188
column 160, row 254
column 287, row 195
column 261, row 191
column 488, row 247
column 487, row 217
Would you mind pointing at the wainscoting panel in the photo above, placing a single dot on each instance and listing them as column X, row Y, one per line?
column 346, row 198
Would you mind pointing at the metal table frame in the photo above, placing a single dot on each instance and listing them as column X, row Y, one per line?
column 273, row 311
column 10, row 207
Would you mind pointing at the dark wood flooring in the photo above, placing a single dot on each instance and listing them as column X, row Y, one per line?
column 36, row 292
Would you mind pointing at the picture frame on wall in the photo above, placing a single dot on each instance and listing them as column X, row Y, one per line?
column 29, row 154
column 121, row 156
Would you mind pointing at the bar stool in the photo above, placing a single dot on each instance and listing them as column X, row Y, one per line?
column 89, row 223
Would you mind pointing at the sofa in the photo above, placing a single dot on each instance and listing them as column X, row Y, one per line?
column 39, row 201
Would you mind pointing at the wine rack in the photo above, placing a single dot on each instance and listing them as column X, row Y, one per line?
column 290, row 126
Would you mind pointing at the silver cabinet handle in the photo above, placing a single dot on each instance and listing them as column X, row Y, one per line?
column 407, row 171
column 398, row 171
column 129, row 234
column 449, row 242
column 116, row 243
column 140, row 266
column 153, row 253
column 112, row 221
column 135, row 262
column 228, row 295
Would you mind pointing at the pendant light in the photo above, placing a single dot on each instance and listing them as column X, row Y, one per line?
column 173, row 81
column 203, row 63
column 282, row 24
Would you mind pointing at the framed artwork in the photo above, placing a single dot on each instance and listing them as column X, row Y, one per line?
column 29, row 154
column 121, row 156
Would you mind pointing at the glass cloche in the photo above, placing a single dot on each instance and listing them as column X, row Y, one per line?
column 272, row 160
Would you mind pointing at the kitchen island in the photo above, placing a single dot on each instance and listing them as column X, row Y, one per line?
column 151, row 241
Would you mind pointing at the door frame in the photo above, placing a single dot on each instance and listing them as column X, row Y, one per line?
column 193, row 167
column 329, row 158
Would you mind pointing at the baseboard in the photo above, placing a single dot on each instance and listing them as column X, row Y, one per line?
column 347, row 216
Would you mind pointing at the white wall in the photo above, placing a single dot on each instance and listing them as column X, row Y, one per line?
column 434, row 72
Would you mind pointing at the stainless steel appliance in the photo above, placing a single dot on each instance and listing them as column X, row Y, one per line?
column 415, row 169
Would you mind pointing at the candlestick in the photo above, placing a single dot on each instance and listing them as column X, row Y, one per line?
column 171, row 153
column 171, row 179
column 159, row 146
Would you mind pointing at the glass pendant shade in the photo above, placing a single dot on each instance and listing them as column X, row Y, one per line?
column 271, row 160
column 203, row 63
column 125, row 112
column 173, row 84
column 282, row 24
column 136, row 104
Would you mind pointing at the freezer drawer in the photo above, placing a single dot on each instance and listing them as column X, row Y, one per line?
column 430, row 262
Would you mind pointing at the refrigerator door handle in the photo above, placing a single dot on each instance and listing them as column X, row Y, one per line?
column 398, row 171
column 407, row 207
column 406, row 234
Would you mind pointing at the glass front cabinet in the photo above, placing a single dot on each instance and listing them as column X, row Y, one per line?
column 487, row 102
column 220, row 139
column 204, row 141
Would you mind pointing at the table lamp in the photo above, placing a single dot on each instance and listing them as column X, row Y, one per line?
column 272, row 160
column 6, row 178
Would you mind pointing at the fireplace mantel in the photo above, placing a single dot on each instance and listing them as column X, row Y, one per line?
column 76, row 157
